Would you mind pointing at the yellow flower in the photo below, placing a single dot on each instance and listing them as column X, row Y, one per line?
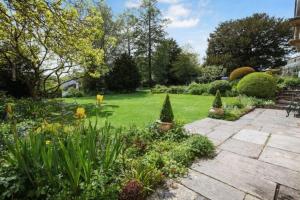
column 80, row 113
column 48, row 142
column 99, row 99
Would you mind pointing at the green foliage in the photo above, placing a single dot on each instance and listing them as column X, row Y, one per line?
column 243, row 42
column 73, row 155
column 90, row 162
column 240, row 107
column 291, row 82
column 73, row 92
column 158, row 89
column 209, row 74
column 240, row 73
column 185, row 68
column 124, row 76
column 166, row 114
column 198, row 89
column 177, row 90
column 220, row 85
column 67, row 35
column 257, row 84
column 164, row 57
column 218, row 101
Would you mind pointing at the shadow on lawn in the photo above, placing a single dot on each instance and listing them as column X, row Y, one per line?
column 120, row 96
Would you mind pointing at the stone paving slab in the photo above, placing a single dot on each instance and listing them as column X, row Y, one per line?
column 286, row 193
column 250, row 197
column 175, row 191
column 282, row 130
column 227, row 167
column 282, row 158
column 252, row 136
column 220, row 135
column 253, row 171
column 211, row 188
column 285, row 143
column 248, row 149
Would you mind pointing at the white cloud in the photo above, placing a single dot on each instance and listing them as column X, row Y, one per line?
column 181, row 17
column 184, row 23
column 168, row 1
column 177, row 10
column 132, row 4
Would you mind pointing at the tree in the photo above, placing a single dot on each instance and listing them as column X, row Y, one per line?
column 165, row 56
column 41, row 39
column 127, row 38
column 124, row 76
column 258, row 40
column 149, row 32
column 185, row 68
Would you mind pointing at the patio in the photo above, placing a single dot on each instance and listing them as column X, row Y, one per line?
column 258, row 158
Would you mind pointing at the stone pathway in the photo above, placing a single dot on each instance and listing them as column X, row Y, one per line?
column 258, row 158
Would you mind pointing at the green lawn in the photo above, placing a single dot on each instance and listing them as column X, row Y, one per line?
column 143, row 108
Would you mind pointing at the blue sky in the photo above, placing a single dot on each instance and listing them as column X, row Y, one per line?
column 193, row 20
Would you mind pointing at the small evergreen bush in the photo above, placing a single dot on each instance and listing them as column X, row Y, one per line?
column 258, row 84
column 218, row 101
column 240, row 73
column 166, row 114
column 220, row 85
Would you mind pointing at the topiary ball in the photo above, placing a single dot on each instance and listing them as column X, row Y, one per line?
column 240, row 73
column 257, row 84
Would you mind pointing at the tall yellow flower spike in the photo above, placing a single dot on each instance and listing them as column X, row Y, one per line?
column 99, row 99
column 80, row 113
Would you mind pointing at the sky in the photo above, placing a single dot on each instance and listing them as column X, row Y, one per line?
column 191, row 21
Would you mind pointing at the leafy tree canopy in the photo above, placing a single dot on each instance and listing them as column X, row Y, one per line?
column 42, row 39
column 258, row 40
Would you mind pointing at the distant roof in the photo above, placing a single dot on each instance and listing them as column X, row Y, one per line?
column 69, row 83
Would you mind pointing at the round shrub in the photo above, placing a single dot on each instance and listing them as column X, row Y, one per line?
column 257, row 84
column 220, row 85
column 240, row 73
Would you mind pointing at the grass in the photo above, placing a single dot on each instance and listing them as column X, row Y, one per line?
column 143, row 108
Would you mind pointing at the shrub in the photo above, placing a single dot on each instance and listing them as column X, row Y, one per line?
column 218, row 101
column 166, row 114
column 158, row 89
column 198, row 89
column 177, row 90
column 220, row 85
column 257, row 84
column 124, row 76
column 201, row 146
column 73, row 92
column 240, row 73
column 210, row 73
column 291, row 82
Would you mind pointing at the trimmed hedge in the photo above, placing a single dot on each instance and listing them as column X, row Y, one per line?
column 240, row 73
column 220, row 85
column 258, row 84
